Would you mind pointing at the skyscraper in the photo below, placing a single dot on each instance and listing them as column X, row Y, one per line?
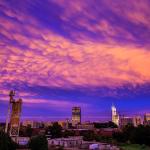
column 76, row 115
column 147, row 119
column 115, row 115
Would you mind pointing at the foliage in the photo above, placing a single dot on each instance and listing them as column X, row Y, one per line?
column 29, row 131
column 68, row 133
column 105, row 125
column 38, row 143
column 55, row 130
column 119, row 136
column 141, row 135
column 88, row 135
column 105, row 139
column 134, row 147
column 6, row 143
column 135, row 135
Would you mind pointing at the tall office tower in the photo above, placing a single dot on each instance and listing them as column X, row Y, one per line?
column 137, row 120
column 115, row 115
column 147, row 119
column 76, row 115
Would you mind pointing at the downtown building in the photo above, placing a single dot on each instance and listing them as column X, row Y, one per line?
column 115, row 115
column 125, row 121
column 137, row 120
column 32, row 124
column 122, row 121
column 85, row 126
column 76, row 116
column 147, row 119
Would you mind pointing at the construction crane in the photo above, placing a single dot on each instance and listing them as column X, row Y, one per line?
column 11, row 100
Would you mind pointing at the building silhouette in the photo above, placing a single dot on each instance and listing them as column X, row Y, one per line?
column 76, row 115
column 137, row 120
column 126, row 121
column 115, row 115
column 147, row 119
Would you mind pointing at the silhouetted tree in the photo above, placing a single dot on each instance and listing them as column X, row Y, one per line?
column 38, row 143
column 68, row 133
column 105, row 125
column 29, row 131
column 140, row 135
column 55, row 130
column 6, row 143
column 119, row 136
column 88, row 135
column 128, row 130
column 135, row 135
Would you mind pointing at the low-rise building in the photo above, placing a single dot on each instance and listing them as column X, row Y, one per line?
column 48, row 123
column 33, row 124
column 88, row 126
column 70, row 142
column 102, row 146
column 63, row 124
column 21, row 140
column 137, row 120
column 125, row 121
column 147, row 119
column 106, row 132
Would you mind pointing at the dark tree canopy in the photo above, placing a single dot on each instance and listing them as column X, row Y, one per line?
column 88, row 135
column 38, row 143
column 68, row 133
column 105, row 125
column 29, row 131
column 55, row 130
column 135, row 135
column 6, row 143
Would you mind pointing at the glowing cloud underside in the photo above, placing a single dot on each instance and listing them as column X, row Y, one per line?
column 69, row 45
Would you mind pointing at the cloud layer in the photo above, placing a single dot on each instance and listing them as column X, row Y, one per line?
column 61, row 44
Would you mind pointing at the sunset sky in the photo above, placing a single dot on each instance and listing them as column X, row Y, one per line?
column 61, row 53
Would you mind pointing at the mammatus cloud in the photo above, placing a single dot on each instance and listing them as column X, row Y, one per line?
column 59, row 62
column 136, row 11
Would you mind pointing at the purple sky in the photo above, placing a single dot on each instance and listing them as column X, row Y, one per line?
column 61, row 53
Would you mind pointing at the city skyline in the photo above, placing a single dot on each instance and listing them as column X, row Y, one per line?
column 59, row 54
column 76, row 114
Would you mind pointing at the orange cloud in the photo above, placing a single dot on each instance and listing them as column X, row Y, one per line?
column 48, row 59
column 136, row 11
